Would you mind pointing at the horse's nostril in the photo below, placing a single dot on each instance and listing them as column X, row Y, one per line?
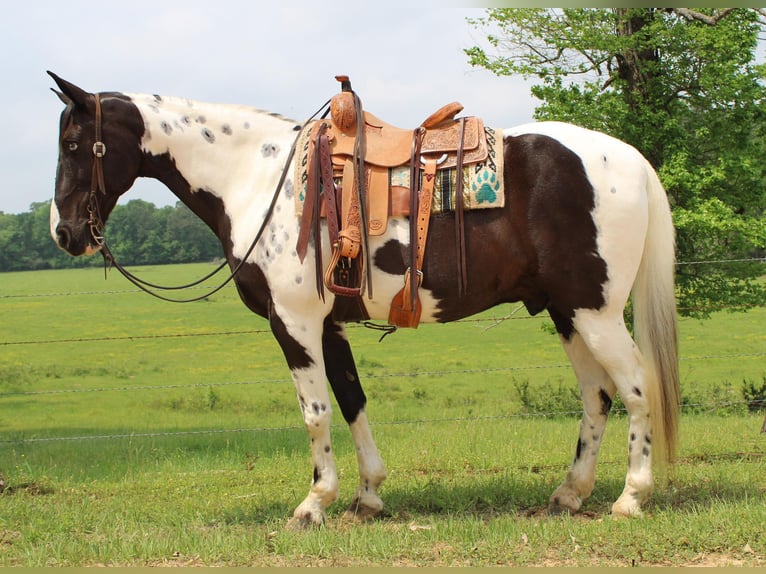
column 63, row 236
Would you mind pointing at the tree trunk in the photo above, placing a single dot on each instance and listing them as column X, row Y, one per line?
column 635, row 66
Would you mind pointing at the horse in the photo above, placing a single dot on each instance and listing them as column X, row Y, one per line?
column 586, row 227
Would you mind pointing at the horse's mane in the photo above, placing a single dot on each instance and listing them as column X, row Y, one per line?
column 178, row 103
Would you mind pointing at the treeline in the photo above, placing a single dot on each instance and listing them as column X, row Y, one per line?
column 138, row 233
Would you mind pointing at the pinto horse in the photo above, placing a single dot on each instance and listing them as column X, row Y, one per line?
column 585, row 225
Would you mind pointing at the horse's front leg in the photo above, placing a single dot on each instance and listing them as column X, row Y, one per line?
column 344, row 379
column 301, row 343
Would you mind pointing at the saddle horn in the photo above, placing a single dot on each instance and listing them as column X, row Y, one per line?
column 343, row 107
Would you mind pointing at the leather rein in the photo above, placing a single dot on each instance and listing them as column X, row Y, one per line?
column 96, row 223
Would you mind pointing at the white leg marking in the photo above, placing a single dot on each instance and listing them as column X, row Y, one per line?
column 609, row 341
column 597, row 390
column 303, row 327
column 372, row 472
column 317, row 414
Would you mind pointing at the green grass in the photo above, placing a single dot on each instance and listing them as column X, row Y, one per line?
column 212, row 457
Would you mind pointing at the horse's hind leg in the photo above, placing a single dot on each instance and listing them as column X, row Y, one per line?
column 597, row 391
column 344, row 379
column 606, row 336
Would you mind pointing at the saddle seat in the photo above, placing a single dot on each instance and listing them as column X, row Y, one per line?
column 387, row 147
column 390, row 146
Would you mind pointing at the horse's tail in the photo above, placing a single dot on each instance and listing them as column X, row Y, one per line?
column 655, row 322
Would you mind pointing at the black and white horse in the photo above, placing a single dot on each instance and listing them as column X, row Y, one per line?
column 586, row 223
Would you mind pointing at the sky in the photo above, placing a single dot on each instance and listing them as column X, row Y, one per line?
column 405, row 59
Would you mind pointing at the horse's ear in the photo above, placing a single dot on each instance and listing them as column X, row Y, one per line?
column 62, row 97
column 70, row 92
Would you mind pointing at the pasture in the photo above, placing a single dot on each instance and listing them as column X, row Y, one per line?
column 138, row 432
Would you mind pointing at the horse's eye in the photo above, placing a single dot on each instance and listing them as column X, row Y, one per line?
column 72, row 146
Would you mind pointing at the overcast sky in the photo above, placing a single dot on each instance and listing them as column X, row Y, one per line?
column 405, row 59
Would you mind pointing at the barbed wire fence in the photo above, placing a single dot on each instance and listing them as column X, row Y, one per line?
column 713, row 406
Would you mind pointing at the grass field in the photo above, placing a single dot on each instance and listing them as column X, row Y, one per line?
column 138, row 432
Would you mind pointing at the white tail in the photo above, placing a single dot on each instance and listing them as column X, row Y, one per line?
column 655, row 321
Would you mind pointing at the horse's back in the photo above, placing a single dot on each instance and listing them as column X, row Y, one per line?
column 600, row 153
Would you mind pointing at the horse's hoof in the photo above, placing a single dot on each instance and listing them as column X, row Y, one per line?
column 304, row 522
column 564, row 502
column 359, row 511
column 622, row 510
column 558, row 510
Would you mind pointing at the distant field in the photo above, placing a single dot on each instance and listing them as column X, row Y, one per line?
column 139, row 432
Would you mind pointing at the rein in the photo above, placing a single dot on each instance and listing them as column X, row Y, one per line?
column 96, row 223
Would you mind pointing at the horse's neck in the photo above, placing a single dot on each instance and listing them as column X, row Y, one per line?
column 234, row 153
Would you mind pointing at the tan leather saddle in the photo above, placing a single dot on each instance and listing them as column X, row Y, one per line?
column 349, row 159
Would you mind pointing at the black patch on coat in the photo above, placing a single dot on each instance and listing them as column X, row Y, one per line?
column 295, row 354
column 341, row 372
column 392, row 257
column 606, row 402
column 540, row 248
column 580, row 447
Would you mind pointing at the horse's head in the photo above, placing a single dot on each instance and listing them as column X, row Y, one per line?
column 99, row 159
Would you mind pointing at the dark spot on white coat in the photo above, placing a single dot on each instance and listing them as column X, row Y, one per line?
column 208, row 135
column 270, row 150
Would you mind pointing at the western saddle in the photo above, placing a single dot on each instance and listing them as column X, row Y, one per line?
column 348, row 163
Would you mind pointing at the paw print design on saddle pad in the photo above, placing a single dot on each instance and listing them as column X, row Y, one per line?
column 485, row 187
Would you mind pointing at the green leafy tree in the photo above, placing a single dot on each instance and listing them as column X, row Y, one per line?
column 188, row 237
column 683, row 86
column 46, row 253
column 131, row 233
column 11, row 247
column 137, row 232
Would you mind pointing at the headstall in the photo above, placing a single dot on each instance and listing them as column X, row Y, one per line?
column 95, row 222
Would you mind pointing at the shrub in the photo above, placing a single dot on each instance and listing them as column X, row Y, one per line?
column 754, row 394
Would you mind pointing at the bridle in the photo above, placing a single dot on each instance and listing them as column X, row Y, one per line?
column 96, row 223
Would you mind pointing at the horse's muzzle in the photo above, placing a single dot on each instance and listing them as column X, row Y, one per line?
column 73, row 242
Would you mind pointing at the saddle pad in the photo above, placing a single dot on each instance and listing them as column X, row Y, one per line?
column 482, row 182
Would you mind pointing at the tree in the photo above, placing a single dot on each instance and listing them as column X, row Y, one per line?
column 684, row 88
column 10, row 242
column 189, row 239
column 137, row 232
